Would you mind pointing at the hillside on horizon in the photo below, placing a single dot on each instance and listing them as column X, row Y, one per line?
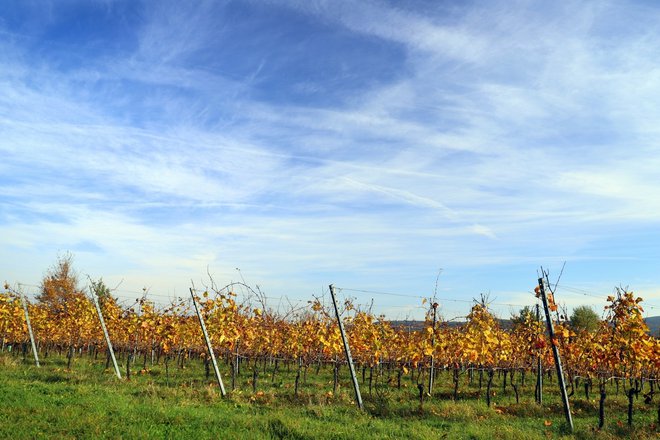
column 653, row 322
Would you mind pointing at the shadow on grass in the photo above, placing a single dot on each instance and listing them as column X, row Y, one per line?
column 56, row 378
column 278, row 430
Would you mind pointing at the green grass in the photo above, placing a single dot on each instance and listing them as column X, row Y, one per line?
column 89, row 402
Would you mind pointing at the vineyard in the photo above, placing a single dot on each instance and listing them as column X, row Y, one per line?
column 271, row 355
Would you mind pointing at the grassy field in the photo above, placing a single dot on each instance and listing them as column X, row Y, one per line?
column 90, row 402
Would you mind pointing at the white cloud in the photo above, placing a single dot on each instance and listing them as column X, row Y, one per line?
column 503, row 124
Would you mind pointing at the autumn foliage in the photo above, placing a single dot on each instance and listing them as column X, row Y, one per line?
column 63, row 316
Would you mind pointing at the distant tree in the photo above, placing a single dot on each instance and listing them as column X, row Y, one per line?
column 584, row 318
column 102, row 292
column 100, row 289
column 60, row 284
column 522, row 315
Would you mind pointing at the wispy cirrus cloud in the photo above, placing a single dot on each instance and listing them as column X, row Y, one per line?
column 313, row 140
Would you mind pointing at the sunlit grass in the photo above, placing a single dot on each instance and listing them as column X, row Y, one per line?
column 90, row 402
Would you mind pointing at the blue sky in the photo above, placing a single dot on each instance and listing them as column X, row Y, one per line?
column 365, row 144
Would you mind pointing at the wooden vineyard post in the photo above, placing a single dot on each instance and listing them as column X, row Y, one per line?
column 555, row 354
column 111, row 351
column 539, row 368
column 29, row 326
column 431, row 374
column 208, row 345
column 347, row 350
